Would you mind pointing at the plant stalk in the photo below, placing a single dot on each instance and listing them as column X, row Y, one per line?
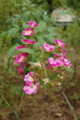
column 69, row 104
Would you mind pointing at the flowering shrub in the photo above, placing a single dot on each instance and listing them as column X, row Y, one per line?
column 45, row 62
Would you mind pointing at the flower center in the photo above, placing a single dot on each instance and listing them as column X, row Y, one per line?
column 60, row 44
column 21, row 59
column 28, row 32
column 32, row 86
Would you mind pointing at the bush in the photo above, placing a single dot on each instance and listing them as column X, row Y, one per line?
column 71, row 34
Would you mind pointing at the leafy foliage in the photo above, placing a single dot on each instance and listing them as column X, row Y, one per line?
column 71, row 34
column 18, row 21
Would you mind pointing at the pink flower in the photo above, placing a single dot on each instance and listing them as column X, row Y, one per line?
column 63, row 57
column 29, row 78
column 60, row 43
column 20, row 47
column 21, row 68
column 57, row 55
column 51, row 61
column 29, row 41
column 64, row 52
column 32, row 24
column 54, row 63
column 66, row 62
column 31, row 74
column 31, row 89
column 20, row 58
column 28, row 32
column 48, row 47
column 58, row 63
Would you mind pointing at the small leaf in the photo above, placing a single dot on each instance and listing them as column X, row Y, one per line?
column 39, row 43
column 42, row 26
column 12, row 32
column 49, row 38
column 27, row 50
column 16, row 90
column 70, row 70
column 51, row 30
column 53, row 76
column 25, row 25
column 11, row 51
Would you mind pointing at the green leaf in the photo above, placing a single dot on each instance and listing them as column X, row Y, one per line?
column 25, row 25
column 16, row 90
column 51, row 30
column 40, row 39
column 12, row 32
column 49, row 38
column 3, row 34
column 36, row 45
column 42, row 26
column 70, row 70
column 11, row 51
column 27, row 13
column 39, row 43
column 53, row 76
column 27, row 50
column 16, row 41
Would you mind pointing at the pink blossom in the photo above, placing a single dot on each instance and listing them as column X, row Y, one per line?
column 31, row 73
column 54, row 63
column 64, row 52
column 20, row 47
column 28, row 32
column 29, row 41
column 66, row 62
column 63, row 57
column 48, row 47
column 57, row 55
column 20, row 58
column 58, row 63
column 31, row 89
column 29, row 78
column 60, row 43
column 51, row 61
column 21, row 68
column 32, row 24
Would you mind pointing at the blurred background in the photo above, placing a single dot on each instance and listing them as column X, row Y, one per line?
column 62, row 19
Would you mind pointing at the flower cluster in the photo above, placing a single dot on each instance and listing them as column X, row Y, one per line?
column 53, row 60
column 30, row 87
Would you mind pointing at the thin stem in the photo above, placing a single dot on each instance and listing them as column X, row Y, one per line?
column 16, row 115
column 62, row 3
column 22, row 98
column 45, row 71
column 69, row 104
column 7, row 103
column 43, row 64
column 5, row 113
